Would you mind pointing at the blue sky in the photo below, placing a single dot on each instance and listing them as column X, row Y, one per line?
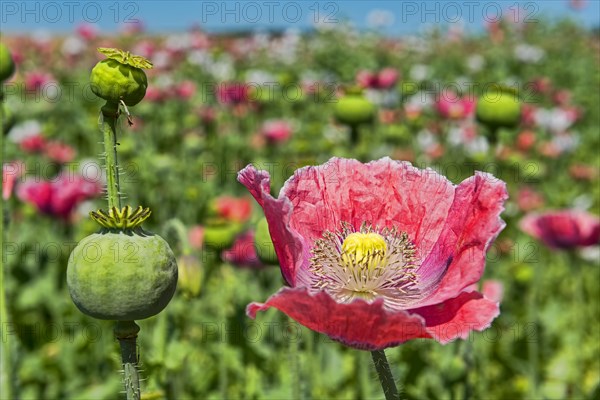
column 217, row 16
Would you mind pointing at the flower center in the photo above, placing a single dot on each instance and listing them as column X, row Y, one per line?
column 368, row 264
column 364, row 251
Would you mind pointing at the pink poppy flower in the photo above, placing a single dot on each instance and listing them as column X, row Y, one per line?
column 243, row 252
column 380, row 253
column 451, row 106
column 276, row 131
column 563, row 229
column 60, row 196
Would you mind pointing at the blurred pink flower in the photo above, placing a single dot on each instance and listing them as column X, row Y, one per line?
column 380, row 253
column 185, row 90
column 35, row 81
column 196, row 237
column 449, row 105
column 276, row 131
column 563, row 229
column 529, row 199
column 60, row 196
column 87, row 31
column 10, row 173
column 33, row 144
column 384, row 79
column 232, row 93
column 243, row 252
column 60, row 152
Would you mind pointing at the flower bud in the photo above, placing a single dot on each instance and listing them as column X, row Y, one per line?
column 7, row 65
column 190, row 275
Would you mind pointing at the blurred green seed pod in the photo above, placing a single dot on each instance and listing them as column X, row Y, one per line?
column 122, row 273
column 499, row 107
column 7, row 64
column 354, row 109
column 263, row 243
column 120, row 77
column 220, row 236
column 190, row 275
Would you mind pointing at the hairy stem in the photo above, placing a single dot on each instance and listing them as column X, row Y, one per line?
column 108, row 125
column 126, row 333
column 385, row 375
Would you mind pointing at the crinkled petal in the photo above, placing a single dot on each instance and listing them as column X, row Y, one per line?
column 457, row 317
column 385, row 193
column 288, row 244
column 358, row 324
column 472, row 225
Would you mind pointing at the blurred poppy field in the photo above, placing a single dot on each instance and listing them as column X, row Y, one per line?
column 282, row 101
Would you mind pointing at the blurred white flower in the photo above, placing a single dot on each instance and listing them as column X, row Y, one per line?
column 259, row 77
column 419, row 72
column 378, row 19
column 555, row 120
column 73, row 45
column 24, row 130
column 565, row 142
column 161, row 59
column 529, row 54
column 475, row 63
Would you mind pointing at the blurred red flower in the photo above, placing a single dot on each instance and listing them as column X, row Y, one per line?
column 60, row 196
column 33, row 144
column 380, row 253
column 563, row 229
column 233, row 208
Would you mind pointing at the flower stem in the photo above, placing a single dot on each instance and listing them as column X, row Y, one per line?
column 385, row 375
column 108, row 124
column 5, row 358
column 126, row 332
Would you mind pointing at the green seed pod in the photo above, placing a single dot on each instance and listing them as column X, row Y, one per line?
column 263, row 243
column 499, row 108
column 120, row 77
column 122, row 273
column 7, row 65
column 354, row 109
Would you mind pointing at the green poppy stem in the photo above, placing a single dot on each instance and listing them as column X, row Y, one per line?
column 126, row 333
column 108, row 125
column 382, row 366
column 5, row 359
